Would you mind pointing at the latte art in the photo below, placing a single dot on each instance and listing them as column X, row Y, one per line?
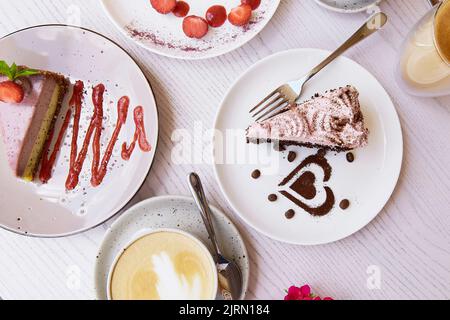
column 164, row 266
column 171, row 284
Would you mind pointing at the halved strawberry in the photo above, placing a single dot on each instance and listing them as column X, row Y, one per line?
column 253, row 3
column 163, row 6
column 11, row 92
column 181, row 9
column 240, row 15
column 216, row 16
column 195, row 27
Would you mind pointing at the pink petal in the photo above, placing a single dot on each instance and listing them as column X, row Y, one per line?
column 328, row 298
column 317, row 298
column 305, row 290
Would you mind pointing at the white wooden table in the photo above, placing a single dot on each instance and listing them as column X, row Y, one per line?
column 408, row 244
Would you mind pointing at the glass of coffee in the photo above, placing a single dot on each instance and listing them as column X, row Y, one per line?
column 424, row 68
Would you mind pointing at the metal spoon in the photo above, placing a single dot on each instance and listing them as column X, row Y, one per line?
column 230, row 278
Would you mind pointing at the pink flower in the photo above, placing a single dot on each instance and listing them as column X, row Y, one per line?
column 302, row 293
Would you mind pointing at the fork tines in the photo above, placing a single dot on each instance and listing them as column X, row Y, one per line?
column 274, row 103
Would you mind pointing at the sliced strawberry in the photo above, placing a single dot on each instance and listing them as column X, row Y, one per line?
column 240, row 15
column 195, row 27
column 253, row 3
column 181, row 9
column 11, row 92
column 163, row 6
column 216, row 16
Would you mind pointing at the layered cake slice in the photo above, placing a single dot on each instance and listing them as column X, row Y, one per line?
column 30, row 101
column 333, row 120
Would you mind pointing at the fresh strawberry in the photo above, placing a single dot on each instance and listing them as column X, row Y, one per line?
column 253, row 3
column 181, row 9
column 11, row 92
column 163, row 6
column 216, row 16
column 240, row 15
column 195, row 27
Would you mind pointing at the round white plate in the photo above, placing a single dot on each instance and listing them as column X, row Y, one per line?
column 163, row 34
column 48, row 210
column 348, row 6
column 368, row 182
column 173, row 212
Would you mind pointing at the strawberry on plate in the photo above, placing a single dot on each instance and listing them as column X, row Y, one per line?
column 195, row 27
column 253, row 3
column 11, row 92
column 163, row 6
column 181, row 9
column 216, row 16
column 240, row 15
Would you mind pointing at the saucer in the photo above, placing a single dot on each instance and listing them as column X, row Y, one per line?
column 174, row 212
column 348, row 6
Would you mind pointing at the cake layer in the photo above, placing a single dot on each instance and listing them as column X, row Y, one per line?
column 333, row 120
column 25, row 126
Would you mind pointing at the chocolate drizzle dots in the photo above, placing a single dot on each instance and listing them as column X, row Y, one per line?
column 289, row 214
column 273, row 197
column 291, row 156
column 256, row 174
column 350, row 157
column 345, row 204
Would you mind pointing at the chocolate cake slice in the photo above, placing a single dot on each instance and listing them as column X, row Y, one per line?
column 333, row 120
column 25, row 126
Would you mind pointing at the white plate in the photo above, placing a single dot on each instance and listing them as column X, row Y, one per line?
column 163, row 34
column 367, row 183
column 348, row 6
column 48, row 210
column 173, row 212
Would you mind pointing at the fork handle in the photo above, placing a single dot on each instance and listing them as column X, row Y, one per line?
column 372, row 25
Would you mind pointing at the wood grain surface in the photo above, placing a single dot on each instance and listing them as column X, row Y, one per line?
column 407, row 245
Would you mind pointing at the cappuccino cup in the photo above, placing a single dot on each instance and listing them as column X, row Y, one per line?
column 163, row 264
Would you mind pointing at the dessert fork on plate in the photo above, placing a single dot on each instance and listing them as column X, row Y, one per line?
column 291, row 92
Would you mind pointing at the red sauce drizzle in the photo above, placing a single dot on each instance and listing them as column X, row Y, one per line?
column 99, row 167
column 47, row 163
column 139, row 136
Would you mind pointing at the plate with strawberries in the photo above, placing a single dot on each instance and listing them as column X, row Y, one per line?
column 190, row 29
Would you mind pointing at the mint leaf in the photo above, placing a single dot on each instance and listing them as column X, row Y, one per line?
column 26, row 73
column 13, row 72
column 5, row 70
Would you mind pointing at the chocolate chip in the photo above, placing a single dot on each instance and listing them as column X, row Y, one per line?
column 350, row 157
column 344, row 204
column 273, row 197
column 290, row 214
column 256, row 174
column 292, row 156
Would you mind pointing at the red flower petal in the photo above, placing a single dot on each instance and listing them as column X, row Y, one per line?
column 328, row 298
column 305, row 290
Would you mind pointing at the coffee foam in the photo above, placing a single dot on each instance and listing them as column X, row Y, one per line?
column 172, row 285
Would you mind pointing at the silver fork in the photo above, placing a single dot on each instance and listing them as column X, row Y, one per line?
column 289, row 93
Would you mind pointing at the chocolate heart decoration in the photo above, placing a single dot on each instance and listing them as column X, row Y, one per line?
column 304, row 186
